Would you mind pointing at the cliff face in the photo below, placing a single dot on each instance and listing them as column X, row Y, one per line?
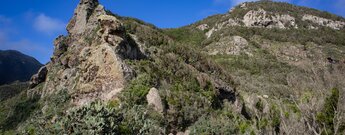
column 258, row 69
column 286, row 17
column 88, row 62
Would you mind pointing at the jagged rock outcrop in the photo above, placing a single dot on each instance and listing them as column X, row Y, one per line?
column 85, row 17
column 89, row 62
column 261, row 18
column 337, row 25
column 249, row 14
column 203, row 27
column 255, row 18
column 39, row 77
column 155, row 100
column 230, row 22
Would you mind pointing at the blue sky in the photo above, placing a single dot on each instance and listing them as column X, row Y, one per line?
column 30, row 26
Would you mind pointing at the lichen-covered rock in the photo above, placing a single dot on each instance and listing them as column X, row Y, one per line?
column 228, row 23
column 39, row 77
column 261, row 18
column 85, row 17
column 255, row 18
column 89, row 61
column 111, row 30
column 60, row 46
column 155, row 100
column 234, row 45
column 203, row 27
column 337, row 25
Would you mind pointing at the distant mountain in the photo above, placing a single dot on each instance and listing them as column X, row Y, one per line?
column 15, row 66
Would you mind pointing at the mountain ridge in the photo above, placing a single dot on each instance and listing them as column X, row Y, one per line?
column 16, row 66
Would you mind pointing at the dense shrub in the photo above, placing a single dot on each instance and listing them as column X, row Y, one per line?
column 136, row 91
column 213, row 125
column 139, row 119
column 94, row 118
column 186, row 35
column 17, row 109
column 327, row 115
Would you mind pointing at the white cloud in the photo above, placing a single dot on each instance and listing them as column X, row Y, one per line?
column 48, row 25
column 25, row 46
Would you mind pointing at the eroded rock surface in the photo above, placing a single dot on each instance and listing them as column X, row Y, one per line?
column 261, row 18
column 337, row 25
column 230, row 22
column 234, row 45
column 85, row 17
column 39, row 77
column 203, row 27
column 155, row 100
column 89, row 62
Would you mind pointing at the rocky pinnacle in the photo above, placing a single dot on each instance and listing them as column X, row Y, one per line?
column 82, row 14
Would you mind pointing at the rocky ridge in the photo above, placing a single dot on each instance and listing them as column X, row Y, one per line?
column 89, row 61
column 267, row 19
column 261, row 18
column 337, row 25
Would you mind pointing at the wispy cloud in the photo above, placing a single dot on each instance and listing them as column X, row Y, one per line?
column 48, row 25
column 27, row 46
column 4, row 20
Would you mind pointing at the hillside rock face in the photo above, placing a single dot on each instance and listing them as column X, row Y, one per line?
column 324, row 22
column 261, row 18
column 258, row 17
column 89, row 61
column 39, row 77
column 229, row 23
column 85, row 17
column 234, row 45
column 15, row 66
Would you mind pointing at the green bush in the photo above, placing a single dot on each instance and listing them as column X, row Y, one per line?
column 259, row 105
column 21, row 109
column 214, row 125
column 140, row 120
column 186, row 35
column 328, row 113
column 136, row 91
column 94, row 118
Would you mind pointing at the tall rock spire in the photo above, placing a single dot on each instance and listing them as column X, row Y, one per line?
column 85, row 13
